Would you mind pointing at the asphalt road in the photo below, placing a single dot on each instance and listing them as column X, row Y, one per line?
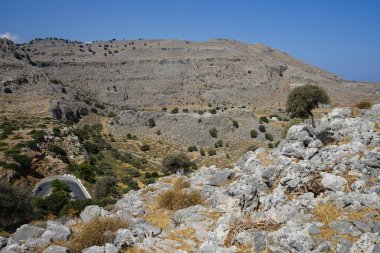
column 43, row 189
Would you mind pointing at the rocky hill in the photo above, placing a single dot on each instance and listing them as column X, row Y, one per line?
column 151, row 74
column 317, row 192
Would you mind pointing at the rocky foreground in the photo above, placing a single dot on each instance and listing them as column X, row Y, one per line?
column 318, row 192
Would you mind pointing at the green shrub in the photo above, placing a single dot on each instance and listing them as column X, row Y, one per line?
column 16, row 206
column 213, row 132
column 58, row 186
column 235, row 123
column 132, row 172
column 164, row 109
column 104, row 187
column 18, row 56
column 252, row 148
column 185, row 110
column 33, row 145
column 8, row 90
column 75, row 206
column 145, row 147
column 202, row 152
column 218, row 144
column 90, row 147
column 264, row 119
column 268, row 136
column 38, row 135
column 57, row 150
column 151, row 123
column 56, row 132
column 130, row 182
column 174, row 111
column 55, row 202
column 270, row 145
column 111, row 114
column 84, row 111
column 211, row 152
column 262, row 128
column 99, row 105
column 84, row 171
column 192, row 148
column 253, row 134
column 176, row 162
column 213, row 111
column 24, row 161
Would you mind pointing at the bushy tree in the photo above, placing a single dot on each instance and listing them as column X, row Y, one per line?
column 58, row 186
column 16, row 206
column 104, row 187
column 55, row 202
column 176, row 162
column 302, row 100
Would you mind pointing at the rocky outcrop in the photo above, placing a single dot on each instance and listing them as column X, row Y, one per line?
column 309, row 195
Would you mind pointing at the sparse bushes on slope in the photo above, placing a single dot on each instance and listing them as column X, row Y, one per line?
column 262, row 128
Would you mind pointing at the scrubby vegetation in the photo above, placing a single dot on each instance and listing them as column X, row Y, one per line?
column 174, row 163
column 364, row 105
column 98, row 231
column 178, row 198
column 16, row 206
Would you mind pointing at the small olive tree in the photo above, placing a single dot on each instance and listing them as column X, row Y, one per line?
column 174, row 163
column 302, row 100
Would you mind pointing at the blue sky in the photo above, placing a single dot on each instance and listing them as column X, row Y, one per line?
column 341, row 36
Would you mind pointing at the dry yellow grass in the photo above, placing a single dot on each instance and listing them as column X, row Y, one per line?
column 158, row 217
column 132, row 250
column 264, row 157
column 175, row 199
column 181, row 183
column 267, row 225
column 350, row 179
column 93, row 233
column 363, row 212
column 181, row 235
column 327, row 213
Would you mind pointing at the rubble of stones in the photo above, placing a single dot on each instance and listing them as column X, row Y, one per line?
column 336, row 163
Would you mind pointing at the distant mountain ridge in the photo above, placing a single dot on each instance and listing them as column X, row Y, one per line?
column 151, row 74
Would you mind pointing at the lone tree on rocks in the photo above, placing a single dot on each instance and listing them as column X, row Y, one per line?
column 174, row 163
column 302, row 100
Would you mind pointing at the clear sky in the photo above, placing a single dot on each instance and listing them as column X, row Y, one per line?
column 341, row 36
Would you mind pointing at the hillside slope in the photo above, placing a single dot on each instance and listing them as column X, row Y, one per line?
column 151, row 74
column 318, row 192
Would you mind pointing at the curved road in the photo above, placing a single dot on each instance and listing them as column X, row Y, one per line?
column 44, row 188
